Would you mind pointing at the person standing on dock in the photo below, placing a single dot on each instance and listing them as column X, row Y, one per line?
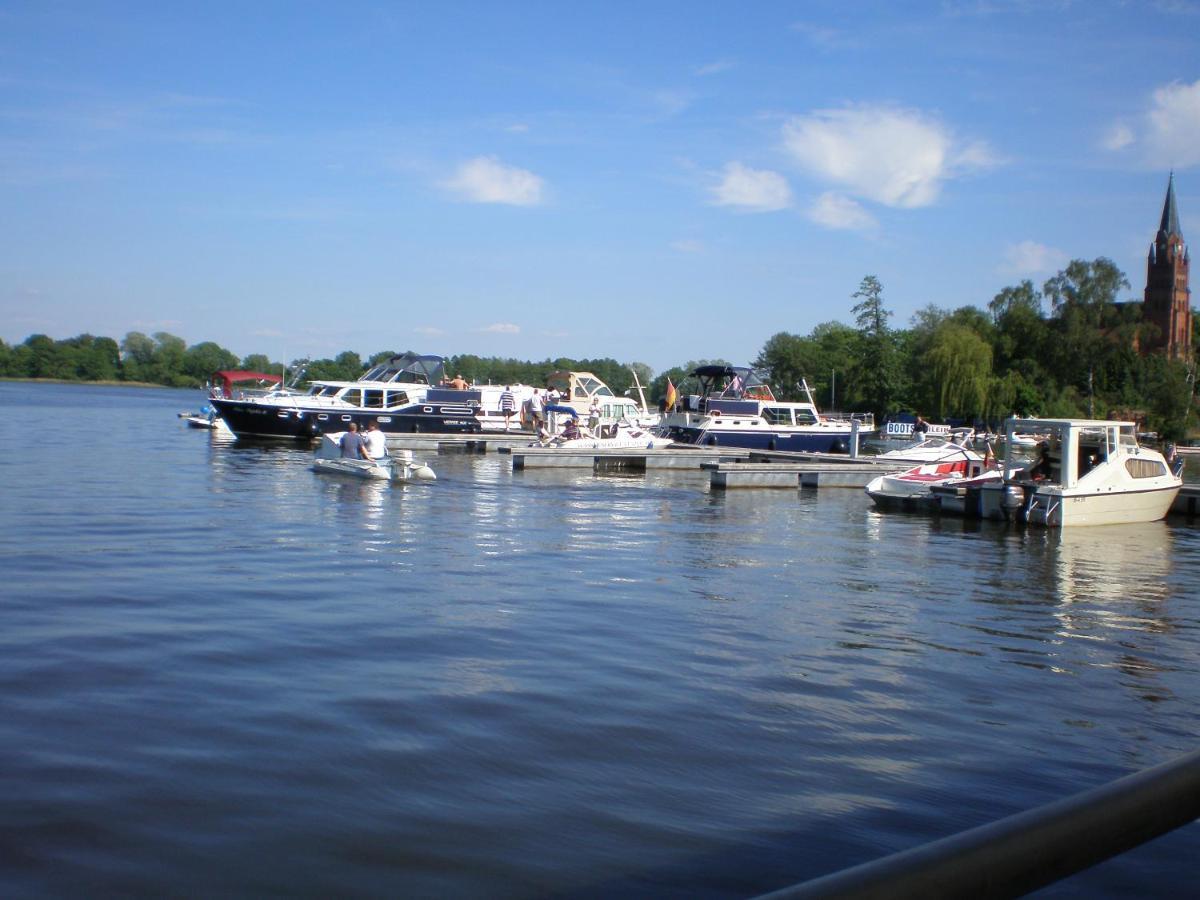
column 536, row 411
column 508, row 405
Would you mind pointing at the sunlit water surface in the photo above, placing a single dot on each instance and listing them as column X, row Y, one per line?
column 223, row 674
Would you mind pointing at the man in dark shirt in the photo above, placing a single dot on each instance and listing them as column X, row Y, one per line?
column 352, row 444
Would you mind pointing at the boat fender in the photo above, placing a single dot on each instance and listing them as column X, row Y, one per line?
column 771, row 444
column 840, row 447
column 712, row 440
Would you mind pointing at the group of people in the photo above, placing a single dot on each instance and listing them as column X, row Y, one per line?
column 371, row 446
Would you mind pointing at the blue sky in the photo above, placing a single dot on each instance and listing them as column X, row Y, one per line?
column 653, row 182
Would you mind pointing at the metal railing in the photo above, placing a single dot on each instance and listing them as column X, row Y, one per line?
column 1028, row 850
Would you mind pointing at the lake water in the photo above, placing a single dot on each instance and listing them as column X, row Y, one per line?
column 224, row 674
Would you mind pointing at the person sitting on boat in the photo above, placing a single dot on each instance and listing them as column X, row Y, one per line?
column 459, row 383
column 570, row 431
column 1174, row 460
column 1042, row 469
column 375, row 441
column 352, row 444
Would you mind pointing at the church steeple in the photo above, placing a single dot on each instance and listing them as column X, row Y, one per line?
column 1167, row 304
column 1170, row 216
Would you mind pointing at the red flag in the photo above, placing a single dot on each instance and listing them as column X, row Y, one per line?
column 672, row 395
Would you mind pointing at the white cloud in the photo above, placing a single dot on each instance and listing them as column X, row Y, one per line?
column 752, row 190
column 1119, row 137
column 1173, row 125
column 502, row 328
column 1032, row 258
column 897, row 157
column 1168, row 135
column 835, row 210
column 487, row 180
column 714, row 68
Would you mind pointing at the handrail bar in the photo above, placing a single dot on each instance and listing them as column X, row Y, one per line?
column 1028, row 850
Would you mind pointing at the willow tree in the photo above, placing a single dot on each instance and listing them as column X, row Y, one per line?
column 960, row 362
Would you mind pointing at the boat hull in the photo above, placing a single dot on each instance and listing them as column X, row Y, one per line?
column 1059, row 509
column 826, row 440
column 246, row 418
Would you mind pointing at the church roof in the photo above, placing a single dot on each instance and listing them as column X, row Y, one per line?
column 1170, row 216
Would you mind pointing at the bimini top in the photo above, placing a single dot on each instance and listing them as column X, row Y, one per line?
column 226, row 378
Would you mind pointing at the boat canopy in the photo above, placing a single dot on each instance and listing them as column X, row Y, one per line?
column 411, row 368
column 227, row 378
column 578, row 386
column 732, row 383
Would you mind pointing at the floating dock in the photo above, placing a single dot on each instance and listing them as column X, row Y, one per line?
column 623, row 458
column 853, row 474
column 482, row 442
column 1187, row 503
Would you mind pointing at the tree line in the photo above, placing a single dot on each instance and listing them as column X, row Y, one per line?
column 1066, row 349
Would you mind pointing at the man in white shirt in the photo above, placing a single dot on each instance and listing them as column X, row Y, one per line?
column 375, row 440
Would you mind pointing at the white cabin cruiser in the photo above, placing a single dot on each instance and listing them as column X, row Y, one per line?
column 398, row 465
column 1089, row 472
column 580, row 390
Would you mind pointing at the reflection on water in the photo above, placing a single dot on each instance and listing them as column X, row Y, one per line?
column 1113, row 564
column 223, row 670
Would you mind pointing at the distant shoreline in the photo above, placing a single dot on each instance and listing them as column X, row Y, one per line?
column 140, row 384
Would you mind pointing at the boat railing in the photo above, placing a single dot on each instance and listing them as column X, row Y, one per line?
column 1029, row 850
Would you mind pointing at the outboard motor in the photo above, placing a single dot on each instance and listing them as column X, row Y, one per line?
column 1013, row 500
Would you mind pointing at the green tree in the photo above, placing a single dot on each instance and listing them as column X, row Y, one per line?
column 201, row 360
column 167, row 364
column 137, row 356
column 1080, row 295
column 877, row 347
column 258, row 362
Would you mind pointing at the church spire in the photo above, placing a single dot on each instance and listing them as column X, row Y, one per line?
column 1170, row 216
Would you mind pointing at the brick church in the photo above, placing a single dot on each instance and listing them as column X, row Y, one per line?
column 1167, row 302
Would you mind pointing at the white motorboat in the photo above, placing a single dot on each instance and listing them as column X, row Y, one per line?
column 622, row 435
column 953, row 445
column 1088, row 472
column 398, row 465
column 914, row 488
